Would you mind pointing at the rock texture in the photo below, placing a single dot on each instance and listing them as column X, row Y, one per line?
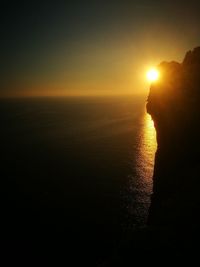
column 174, row 104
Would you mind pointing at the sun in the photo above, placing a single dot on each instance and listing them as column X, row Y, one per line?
column 152, row 75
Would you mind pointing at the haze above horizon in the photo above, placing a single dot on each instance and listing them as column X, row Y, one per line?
column 52, row 48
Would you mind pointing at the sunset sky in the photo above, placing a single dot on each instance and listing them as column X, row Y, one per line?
column 91, row 47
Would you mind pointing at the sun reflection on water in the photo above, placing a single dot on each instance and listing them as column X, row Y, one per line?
column 146, row 153
column 141, row 181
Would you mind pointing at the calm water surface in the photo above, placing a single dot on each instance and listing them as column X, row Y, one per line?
column 76, row 170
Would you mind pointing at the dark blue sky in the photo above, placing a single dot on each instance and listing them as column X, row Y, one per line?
column 66, row 47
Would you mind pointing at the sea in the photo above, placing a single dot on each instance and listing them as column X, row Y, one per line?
column 76, row 175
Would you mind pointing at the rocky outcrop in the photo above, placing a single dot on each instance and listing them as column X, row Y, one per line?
column 174, row 104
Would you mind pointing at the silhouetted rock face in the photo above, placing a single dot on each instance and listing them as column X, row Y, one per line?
column 174, row 104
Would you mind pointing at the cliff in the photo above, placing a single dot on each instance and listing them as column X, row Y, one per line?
column 174, row 104
column 173, row 231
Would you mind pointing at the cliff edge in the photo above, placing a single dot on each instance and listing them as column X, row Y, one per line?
column 174, row 105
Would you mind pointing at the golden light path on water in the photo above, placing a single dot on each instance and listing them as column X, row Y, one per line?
column 141, row 182
column 146, row 153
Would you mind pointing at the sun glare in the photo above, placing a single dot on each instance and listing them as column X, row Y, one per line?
column 152, row 75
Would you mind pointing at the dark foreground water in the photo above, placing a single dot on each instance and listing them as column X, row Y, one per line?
column 75, row 175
